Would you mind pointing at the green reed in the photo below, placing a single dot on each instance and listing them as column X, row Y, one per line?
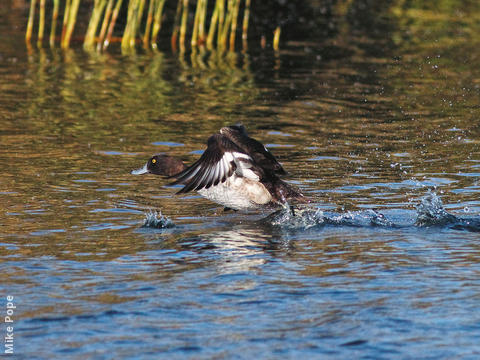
column 157, row 22
column 111, row 26
column 246, row 16
column 215, row 27
column 103, row 30
column 148, row 25
column 183, row 25
column 95, row 19
column 28, row 33
column 53, row 26
column 41, row 23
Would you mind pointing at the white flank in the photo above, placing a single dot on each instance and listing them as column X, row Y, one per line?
column 238, row 193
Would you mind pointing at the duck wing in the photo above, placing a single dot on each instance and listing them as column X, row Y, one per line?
column 254, row 148
column 218, row 162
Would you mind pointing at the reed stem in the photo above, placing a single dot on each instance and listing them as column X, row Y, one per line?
column 66, row 13
column 128, row 38
column 176, row 25
column 116, row 10
column 148, row 24
column 221, row 20
column 233, row 29
column 103, row 29
column 31, row 16
column 246, row 16
column 157, row 22
column 213, row 25
column 276, row 38
column 222, row 42
column 72, row 18
column 195, row 24
column 139, row 18
column 95, row 18
column 201, row 23
column 183, row 26
column 41, row 23
column 53, row 28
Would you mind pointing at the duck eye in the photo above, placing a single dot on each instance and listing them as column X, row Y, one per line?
column 154, row 161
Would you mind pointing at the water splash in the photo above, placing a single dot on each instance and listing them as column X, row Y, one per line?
column 304, row 218
column 430, row 212
column 296, row 218
column 155, row 219
column 360, row 218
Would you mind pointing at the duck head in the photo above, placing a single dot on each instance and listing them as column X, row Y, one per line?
column 161, row 164
column 233, row 130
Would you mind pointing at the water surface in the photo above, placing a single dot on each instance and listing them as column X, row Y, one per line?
column 381, row 132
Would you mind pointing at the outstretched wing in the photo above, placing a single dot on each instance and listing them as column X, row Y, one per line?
column 218, row 162
column 263, row 157
column 259, row 153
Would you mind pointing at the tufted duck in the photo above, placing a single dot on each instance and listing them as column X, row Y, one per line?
column 235, row 171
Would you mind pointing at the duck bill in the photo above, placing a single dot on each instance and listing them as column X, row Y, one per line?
column 141, row 171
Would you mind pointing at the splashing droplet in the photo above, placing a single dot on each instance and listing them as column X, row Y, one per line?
column 155, row 219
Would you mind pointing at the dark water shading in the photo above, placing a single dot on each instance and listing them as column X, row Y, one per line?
column 377, row 124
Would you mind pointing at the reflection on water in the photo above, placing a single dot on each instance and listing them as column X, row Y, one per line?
column 378, row 265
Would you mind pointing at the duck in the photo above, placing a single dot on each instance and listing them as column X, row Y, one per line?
column 235, row 171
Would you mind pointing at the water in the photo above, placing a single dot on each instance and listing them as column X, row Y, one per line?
column 381, row 135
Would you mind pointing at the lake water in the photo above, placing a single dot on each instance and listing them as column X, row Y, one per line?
column 379, row 128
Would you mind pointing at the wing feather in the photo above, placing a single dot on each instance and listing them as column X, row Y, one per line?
column 215, row 165
column 215, row 175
